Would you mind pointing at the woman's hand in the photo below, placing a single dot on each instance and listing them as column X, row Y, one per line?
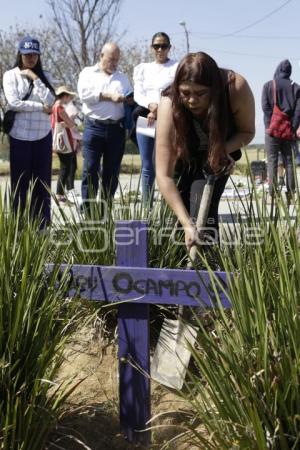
column 153, row 107
column 47, row 109
column 29, row 74
column 151, row 118
column 191, row 236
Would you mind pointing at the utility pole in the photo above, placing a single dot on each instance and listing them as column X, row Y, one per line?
column 183, row 24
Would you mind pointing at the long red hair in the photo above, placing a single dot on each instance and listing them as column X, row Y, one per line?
column 202, row 69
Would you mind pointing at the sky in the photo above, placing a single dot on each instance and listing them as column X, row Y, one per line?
column 249, row 37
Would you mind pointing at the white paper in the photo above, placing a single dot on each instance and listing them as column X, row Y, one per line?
column 172, row 353
column 142, row 127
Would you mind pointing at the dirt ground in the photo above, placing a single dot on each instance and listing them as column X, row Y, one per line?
column 91, row 414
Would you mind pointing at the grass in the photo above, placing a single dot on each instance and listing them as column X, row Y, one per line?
column 131, row 163
column 244, row 389
column 244, row 386
column 36, row 319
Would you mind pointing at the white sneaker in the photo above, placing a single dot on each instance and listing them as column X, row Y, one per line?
column 72, row 194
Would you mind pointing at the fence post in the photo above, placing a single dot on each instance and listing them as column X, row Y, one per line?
column 133, row 335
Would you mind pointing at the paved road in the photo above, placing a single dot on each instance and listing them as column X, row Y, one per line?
column 229, row 202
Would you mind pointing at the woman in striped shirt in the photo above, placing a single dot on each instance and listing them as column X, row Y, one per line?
column 28, row 91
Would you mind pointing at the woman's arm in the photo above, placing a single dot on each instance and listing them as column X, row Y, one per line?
column 243, row 109
column 46, row 96
column 69, row 123
column 165, row 163
column 44, row 93
column 10, row 87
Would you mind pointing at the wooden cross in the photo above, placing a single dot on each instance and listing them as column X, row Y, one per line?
column 138, row 286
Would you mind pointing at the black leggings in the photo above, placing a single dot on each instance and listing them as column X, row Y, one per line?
column 68, row 166
column 187, row 176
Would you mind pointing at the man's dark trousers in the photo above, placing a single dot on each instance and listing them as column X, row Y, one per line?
column 273, row 146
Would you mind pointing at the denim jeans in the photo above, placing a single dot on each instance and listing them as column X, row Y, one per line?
column 104, row 142
column 146, row 149
column 273, row 147
column 31, row 161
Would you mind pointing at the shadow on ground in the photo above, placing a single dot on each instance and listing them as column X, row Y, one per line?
column 93, row 425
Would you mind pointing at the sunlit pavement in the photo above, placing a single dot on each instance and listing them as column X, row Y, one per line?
column 232, row 202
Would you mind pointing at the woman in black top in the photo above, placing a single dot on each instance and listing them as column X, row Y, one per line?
column 207, row 116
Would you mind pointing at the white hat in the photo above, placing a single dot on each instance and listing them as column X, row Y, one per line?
column 64, row 90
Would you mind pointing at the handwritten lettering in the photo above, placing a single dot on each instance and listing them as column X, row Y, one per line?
column 124, row 283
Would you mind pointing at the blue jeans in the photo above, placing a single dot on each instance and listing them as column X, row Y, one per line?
column 106, row 142
column 31, row 161
column 146, row 149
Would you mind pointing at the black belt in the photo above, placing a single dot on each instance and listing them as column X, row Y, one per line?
column 105, row 121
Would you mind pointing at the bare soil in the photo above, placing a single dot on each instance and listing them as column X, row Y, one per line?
column 91, row 419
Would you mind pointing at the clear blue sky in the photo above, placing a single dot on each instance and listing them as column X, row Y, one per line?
column 231, row 31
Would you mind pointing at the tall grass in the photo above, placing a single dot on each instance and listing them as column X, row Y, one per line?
column 35, row 321
column 91, row 238
column 244, row 390
column 244, row 387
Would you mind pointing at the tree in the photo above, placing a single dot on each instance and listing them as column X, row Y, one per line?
column 71, row 37
column 56, row 56
column 82, row 27
column 133, row 54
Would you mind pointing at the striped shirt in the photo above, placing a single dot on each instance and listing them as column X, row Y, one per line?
column 31, row 123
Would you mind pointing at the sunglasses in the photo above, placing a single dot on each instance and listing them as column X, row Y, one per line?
column 162, row 46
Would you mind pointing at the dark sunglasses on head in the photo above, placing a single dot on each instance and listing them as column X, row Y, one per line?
column 158, row 46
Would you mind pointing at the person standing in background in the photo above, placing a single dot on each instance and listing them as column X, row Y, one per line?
column 102, row 90
column 150, row 79
column 64, row 183
column 30, row 138
column 74, row 112
column 287, row 95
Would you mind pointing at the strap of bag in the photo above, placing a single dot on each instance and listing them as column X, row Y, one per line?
column 26, row 97
column 274, row 92
column 55, row 109
column 55, row 115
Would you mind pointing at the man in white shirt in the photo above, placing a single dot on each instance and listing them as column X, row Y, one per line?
column 102, row 90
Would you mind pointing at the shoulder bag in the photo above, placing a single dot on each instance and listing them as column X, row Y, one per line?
column 280, row 124
column 60, row 139
column 9, row 115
